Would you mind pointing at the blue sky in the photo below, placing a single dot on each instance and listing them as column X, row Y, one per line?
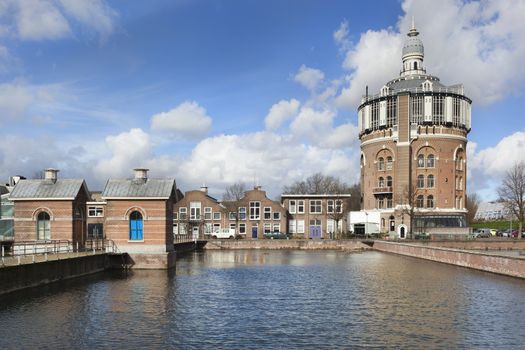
column 256, row 91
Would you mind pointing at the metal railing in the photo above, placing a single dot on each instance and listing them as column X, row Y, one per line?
column 44, row 250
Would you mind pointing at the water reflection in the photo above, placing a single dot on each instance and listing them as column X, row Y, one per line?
column 273, row 299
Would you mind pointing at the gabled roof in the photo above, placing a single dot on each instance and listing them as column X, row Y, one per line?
column 139, row 188
column 66, row 189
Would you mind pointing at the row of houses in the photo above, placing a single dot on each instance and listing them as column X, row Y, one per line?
column 144, row 216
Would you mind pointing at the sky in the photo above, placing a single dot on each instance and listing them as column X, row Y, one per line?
column 261, row 92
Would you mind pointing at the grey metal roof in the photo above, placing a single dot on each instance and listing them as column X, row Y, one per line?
column 47, row 189
column 413, row 45
column 138, row 188
column 410, row 84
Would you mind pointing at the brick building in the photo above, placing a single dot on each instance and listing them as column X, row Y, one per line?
column 316, row 215
column 413, row 150
column 198, row 214
column 50, row 209
column 138, row 217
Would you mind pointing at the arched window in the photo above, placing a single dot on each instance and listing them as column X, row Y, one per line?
column 388, row 163
column 381, row 164
column 430, row 201
column 419, row 201
column 43, row 226
column 421, row 161
column 136, row 226
column 420, row 181
column 430, row 181
column 389, row 181
column 430, row 161
column 381, row 182
column 415, row 65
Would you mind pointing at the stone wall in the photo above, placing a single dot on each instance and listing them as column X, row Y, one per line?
column 270, row 244
column 510, row 266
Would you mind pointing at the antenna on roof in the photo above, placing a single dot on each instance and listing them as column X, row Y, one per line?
column 413, row 23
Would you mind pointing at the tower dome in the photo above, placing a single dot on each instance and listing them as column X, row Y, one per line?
column 413, row 53
column 413, row 45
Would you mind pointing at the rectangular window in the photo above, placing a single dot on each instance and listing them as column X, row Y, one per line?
column 242, row 228
column 276, row 215
column 231, row 216
column 242, row 213
column 300, row 206
column 339, row 205
column 208, row 228
column 300, row 226
column 375, row 115
column 417, row 110
column 195, row 210
column 175, row 216
column 330, row 225
column 456, row 111
column 315, row 206
column 267, row 228
column 95, row 230
column 95, row 211
column 217, row 215
column 438, row 109
column 216, row 227
column 207, row 213
column 175, row 229
column 291, row 226
column 276, row 227
column 391, row 112
column 182, row 213
column 330, row 206
column 255, row 210
column 232, row 227
column 292, row 206
column 267, row 213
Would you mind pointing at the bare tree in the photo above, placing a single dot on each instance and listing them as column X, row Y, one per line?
column 409, row 205
column 232, row 201
column 339, row 212
column 354, row 202
column 512, row 192
column 317, row 184
column 472, row 204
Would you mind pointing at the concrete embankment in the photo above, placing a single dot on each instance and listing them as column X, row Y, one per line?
column 13, row 278
column 270, row 244
column 480, row 260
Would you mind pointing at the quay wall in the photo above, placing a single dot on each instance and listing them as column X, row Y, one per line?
column 299, row 244
column 504, row 265
column 18, row 277
column 478, row 244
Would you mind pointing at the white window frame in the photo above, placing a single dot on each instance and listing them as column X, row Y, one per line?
column 216, row 215
column 242, row 213
column 267, row 214
column 276, row 215
column 291, row 226
column 95, row 212
column 276, row 225
column 195, row 210
column 300, row 226
column 330, row 206
column 207, row 213
column 255, row 210
column 300, row 206
column 292, row 206
column 317, row 204
column 183, row 212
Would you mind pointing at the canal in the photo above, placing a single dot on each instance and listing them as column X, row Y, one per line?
column 273, row 300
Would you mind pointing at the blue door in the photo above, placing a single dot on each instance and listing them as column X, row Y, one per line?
column 254, row 232
column 315, row 232
column 135, row 227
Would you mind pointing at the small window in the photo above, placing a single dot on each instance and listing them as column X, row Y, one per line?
column 217, row 215
column 255, row 210
column 175, row 216
column 381, row 182
column 381, row 163
column 182, row 213
column 389, row 181
column 242, row 213
column 430, row 161
column 330, row 206
column 231, row 216
column 276, row 215
column 300, row 207
column 95, row 211
column 292, row 206
column 43, row 226
column 420, row 181
column 338, row 206
column 267, row 213
column 421, row 161
column 420, row 201
column 388, row 163
column 430, row 201
column 207, row 213
column 276, row 227
column 242, row 228
column 430, row 181
column 316, row 206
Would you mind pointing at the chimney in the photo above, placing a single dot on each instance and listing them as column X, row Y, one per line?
column 51, row 174
column 141, row 174
column 204, row 189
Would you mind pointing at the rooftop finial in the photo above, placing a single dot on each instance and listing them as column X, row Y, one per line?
column 413, row 31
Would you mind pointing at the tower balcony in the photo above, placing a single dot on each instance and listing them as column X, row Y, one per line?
column 382, row 190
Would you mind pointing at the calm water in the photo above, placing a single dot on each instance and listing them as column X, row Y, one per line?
column 273, row 300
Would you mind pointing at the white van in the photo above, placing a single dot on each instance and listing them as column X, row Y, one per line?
column 224, row 233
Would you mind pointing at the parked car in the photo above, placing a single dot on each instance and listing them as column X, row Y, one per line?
column 493, row 232
column 276, row 235
column 224, row 233
column 482, row 233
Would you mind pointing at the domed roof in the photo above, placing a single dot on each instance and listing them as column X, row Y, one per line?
column 413, row 45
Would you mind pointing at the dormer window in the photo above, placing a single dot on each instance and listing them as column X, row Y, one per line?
column 384, row 90
column 427, row 86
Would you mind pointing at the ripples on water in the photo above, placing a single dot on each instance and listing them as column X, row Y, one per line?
column 273, row 300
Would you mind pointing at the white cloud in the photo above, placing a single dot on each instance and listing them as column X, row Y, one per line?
column 55, row 19
column 312, row 124
column 341, row 36
column 186, row 121
column 476, row 43
column 129, row 150
column 281, row 112
column 308, row 77
column 40, row 19
column 15, row 99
